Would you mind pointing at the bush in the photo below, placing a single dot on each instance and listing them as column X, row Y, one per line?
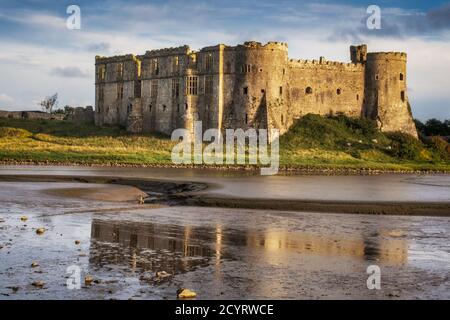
column 440, row 147
column 405, row 146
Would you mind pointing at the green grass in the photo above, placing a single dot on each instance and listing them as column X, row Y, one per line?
column 314, row 142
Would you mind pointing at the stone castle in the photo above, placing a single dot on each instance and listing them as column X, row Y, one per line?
column 248, row 86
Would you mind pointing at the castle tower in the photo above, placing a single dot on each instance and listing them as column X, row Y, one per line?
column 385, row 99
column 258, row 93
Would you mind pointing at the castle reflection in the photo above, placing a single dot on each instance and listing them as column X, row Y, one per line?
column 179, row 249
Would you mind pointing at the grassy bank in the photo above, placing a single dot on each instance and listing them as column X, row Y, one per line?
column 313, row 142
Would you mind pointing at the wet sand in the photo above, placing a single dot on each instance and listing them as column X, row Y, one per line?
column 219, row 253
column 432, row 193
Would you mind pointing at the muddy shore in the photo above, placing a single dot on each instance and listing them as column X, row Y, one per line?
column 188, row 194
column 286, row 170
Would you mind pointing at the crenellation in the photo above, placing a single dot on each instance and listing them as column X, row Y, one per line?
column 248, row 85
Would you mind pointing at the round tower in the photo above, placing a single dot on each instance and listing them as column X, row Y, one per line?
column 260, row 73
column 386, row 97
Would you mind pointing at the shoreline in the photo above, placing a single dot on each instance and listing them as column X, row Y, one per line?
column 286, row 170
column 182, row 193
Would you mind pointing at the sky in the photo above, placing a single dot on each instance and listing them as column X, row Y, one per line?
column 39, row 55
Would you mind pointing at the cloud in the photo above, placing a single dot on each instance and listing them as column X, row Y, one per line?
column 5, row 99
column 98, row 47
column 69, row 72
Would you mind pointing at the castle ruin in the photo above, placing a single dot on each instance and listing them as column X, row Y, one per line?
column 248, row 86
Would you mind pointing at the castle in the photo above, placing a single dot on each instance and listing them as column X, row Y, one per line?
column 248, row 86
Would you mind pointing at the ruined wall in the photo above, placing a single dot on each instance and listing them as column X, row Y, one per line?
column 117, row 84
column 82, row 115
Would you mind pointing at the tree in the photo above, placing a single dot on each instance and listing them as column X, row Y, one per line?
column 49, row 103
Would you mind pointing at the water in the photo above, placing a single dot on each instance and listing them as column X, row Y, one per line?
column 389, row 187
column 219, row 253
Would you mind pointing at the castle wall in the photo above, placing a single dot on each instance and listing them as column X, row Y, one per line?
column 324, row 87
column 249, row 85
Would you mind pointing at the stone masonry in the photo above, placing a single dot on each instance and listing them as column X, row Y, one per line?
column 248, row 86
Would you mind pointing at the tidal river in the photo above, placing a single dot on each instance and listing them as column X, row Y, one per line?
column 102, row 230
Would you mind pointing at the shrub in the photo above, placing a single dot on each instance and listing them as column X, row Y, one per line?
column 405, row 146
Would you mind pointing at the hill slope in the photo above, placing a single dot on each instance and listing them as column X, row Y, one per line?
column 313, row 142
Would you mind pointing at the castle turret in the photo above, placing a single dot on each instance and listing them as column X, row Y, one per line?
column 358, row 54
column 386, row 97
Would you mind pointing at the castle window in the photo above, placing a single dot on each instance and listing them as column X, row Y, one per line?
column 154, row 66
column 129, row 108
column 175, row 64
column 282, row 119
column 154, row 89
column 281, row 91
column 208, row 84
column 119, row 91
column 208, row 61
column 178, row 107
column 164, row 108
column 338, row 91
column 263, row 91
column 101, row 72
column 402, row 96
column 100, row 92
column 192, row 85
column 175, row 88
column 186, row 106
column 357, row 97
column 150, row 108
column 246, row 118
column 401, row 76
column 309, row 90
column 376, row 77
column 245, row 90
column 120, row 70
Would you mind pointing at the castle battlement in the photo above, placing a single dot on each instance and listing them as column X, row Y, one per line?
column 183, row 50
column 388, row 55
column 114, row 59
column 250, row 85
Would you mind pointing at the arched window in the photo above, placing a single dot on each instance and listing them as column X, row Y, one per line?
column 338, row 91
column 186, row 106
column 309, row 90
column 164, row 108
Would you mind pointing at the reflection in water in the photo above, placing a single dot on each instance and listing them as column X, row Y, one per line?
column 178, row 249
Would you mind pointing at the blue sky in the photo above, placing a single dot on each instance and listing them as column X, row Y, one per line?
column 40, row 56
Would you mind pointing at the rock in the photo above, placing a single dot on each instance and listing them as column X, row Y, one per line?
column 396, row 233
column 77, row 242
column 185, row 294
column 38, row 284
column 34, row 264
column 40, row 231
column 23, row 218
column 141, row 200
column 163, row 274
column 88, row 280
